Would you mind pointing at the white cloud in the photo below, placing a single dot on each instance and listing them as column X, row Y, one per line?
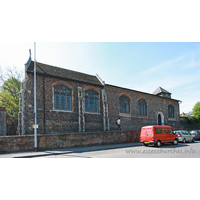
column 166, row 64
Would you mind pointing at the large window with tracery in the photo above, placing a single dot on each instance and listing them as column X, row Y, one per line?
column 62, row 98
column 170, row 111
column 142, row 107
column 124, row 104
column 91, row 101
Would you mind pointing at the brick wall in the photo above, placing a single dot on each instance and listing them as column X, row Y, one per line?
column 56, row 141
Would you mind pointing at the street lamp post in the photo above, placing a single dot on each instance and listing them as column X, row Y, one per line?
column 35, row 104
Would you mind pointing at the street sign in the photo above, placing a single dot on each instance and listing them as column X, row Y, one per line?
column 35, row 126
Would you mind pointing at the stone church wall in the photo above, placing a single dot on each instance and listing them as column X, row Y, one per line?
column 49, row 120
column 52, row 121
column 132, row 120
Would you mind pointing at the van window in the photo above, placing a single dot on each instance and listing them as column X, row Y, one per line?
column 165, row 130
column 158, row 130
column 171, row 131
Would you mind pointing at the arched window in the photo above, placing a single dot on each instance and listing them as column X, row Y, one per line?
column 170, row 111
column 91, row 101
column 142, row 107
column 62, row 98
column 124, row 104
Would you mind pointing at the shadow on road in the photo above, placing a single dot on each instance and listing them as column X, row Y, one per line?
column 170, row 145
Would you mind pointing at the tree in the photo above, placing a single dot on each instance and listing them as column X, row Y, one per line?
column 196, row 110
column 9, row 94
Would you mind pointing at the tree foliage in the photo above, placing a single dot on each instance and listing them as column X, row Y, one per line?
column 196, row 110
column 195, row 119
column 9, row 94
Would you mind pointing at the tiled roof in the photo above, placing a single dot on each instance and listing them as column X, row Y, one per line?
column 160, row 90
column 63, row 73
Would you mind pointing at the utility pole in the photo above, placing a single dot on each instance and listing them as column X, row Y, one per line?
column 35, row 103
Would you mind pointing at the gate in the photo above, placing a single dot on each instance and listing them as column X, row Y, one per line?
column 11, row 125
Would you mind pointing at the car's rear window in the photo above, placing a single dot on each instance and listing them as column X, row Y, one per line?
column 158, row 130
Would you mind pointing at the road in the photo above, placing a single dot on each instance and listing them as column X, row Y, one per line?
column 187, row 150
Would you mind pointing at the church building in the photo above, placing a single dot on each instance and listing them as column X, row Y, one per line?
column 70, row 101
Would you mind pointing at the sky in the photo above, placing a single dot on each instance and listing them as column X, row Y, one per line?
column 141, row 66
column 139, row 45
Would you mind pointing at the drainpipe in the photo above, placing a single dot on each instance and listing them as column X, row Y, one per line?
column 179, row 102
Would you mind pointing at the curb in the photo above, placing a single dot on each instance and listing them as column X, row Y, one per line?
column 41, row 155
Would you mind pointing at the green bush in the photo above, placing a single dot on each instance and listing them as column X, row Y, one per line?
column 191, row 120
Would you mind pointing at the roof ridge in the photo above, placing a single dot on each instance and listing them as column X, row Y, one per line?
column 65, row 69
column 59, row 72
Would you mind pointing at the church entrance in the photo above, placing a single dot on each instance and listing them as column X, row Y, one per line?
column 160, row 119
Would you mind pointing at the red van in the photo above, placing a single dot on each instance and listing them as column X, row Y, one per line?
column 157, row 135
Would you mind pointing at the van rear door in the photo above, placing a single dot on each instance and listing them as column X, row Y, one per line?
column 149, row 134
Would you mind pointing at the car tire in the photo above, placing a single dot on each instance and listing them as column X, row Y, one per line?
column 175, row 142
column 193, row 140
column 158, row 144
column 184, row 140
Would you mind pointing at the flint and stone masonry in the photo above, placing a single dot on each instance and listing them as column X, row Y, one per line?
column 86, row 114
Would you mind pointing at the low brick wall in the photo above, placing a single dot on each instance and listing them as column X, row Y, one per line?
column 26, row 142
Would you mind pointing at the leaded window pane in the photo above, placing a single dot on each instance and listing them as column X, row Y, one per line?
column 62, row 98
column 96, row 105
column 124, row 104
column 142, row 107
column 57, row 101
column 86, row 104
column 171, row 111
column 63, row 102
column 91, row 104
column 69, row 102
column 91, row 101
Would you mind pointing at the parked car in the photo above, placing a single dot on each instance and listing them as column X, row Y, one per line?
column 196, row 134
column 157, row 135
column 184, row 136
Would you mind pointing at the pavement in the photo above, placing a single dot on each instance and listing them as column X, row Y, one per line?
column 31, row 154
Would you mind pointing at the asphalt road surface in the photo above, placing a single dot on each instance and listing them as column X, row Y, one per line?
column 187, row 150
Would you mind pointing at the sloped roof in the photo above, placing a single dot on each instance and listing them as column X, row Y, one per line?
column 160, row 90
column 63, row 73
